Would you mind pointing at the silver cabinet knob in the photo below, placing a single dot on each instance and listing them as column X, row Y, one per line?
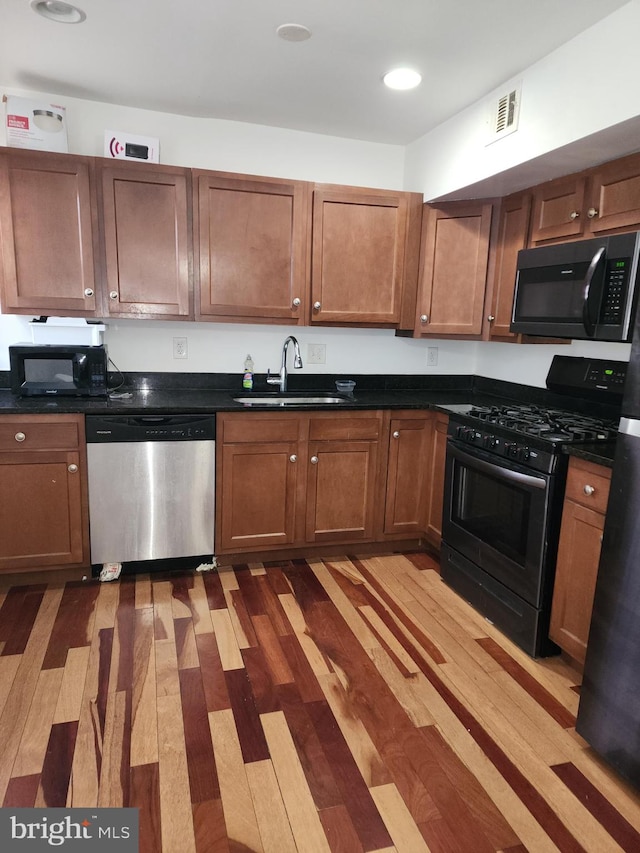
column 592, row 212
column 491, row 318
column 296, row 302
column 20, row 436
column 574, row 214
column 317, row 306
column 424, row 318
column 293, row 458
column 588, row 490
column 396, row 434
column 88, row 291
column 113, row 294
column 72, row 469
column 314, row 460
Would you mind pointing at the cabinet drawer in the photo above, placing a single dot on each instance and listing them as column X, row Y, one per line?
column 332, row 426
column 39, row 432
column 258, row 427
column 588, row 484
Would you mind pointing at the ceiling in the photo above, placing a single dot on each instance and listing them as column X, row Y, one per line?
column 223, row 59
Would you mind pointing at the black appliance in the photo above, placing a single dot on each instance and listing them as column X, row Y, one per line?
column 583, row 290
column 58, row 370
column 609, row 710
column 504, row 489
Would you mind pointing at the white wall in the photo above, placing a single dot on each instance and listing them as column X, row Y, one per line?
column 585, row 87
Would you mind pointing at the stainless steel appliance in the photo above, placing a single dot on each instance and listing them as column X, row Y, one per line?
column 504, row 488
column 609, row 710
column 583, row 290
column 58, row 370
column 151, row 486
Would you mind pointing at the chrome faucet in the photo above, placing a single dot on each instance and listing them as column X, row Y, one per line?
column 281, row 379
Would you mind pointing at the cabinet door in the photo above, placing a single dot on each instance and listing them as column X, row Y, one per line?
column 253, row 236
column 615, row 196
column 341, row 491
column 359, row 239
column 436, row 495
column 559, row 209
column 455, row 255
column 47, row 220
column 144, row 211
column 41, row 518
column 257, row 496
column 512, row 236
column 408, row 474
column 575, row 583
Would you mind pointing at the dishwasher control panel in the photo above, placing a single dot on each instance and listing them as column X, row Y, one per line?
column 111, row 428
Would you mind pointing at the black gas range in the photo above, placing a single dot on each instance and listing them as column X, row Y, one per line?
column 504, row 489
column 531, row 434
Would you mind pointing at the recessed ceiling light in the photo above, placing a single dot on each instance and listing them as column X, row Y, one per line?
column 402, row 78
column 293, row 32
column 56, row 10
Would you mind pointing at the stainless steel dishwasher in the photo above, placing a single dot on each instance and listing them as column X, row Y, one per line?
column 151, row 486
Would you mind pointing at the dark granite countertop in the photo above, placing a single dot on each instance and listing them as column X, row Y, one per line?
column 600, row 452
column 209, row 393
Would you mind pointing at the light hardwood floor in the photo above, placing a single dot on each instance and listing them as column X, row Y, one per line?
column 332, row 705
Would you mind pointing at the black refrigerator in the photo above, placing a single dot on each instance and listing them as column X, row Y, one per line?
column 609, row 710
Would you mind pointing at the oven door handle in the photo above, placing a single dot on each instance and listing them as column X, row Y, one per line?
column 497, row 471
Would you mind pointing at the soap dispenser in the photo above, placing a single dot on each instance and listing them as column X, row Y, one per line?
column 247, row 379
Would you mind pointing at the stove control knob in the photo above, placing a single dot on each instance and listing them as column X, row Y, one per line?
column 511, row 449
column 460, row 431
column 490, row 441
column 471, row 436
column 524, row 454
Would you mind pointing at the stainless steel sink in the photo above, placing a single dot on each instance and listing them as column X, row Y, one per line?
column 293, row 399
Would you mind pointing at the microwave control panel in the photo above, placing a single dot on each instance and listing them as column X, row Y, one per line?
column 616, row 284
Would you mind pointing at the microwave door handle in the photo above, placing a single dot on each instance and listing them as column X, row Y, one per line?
column 496, row 471
column 592, row 294
column 78, row 361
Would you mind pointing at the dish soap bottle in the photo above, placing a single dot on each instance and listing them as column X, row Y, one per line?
column 247, row 379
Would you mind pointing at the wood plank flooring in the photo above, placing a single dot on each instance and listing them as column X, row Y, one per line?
column 338, row 705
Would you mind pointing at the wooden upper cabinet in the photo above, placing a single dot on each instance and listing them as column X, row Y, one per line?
column 364, row 255
column 615, row 196
column 559, row 209
column 47, row 220
column 145, row 221
column 602, row 200
column 513, row 228
column 252, row 237
column 453, row 275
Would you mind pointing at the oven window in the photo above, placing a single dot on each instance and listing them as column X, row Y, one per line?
column 493, row 511
column 48, row 370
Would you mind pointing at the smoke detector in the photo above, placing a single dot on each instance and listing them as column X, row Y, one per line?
column 293, row 32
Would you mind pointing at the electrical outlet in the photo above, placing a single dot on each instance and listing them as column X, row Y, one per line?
column 180, row 348
column 316, row 353
column 432, row 356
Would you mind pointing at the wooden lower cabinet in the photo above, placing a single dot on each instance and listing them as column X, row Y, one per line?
column 292, row 479
column 583, row 519
column 289, row 480
column 408, row 473
column 43, row 492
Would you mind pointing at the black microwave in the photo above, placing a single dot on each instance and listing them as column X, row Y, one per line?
column 58, row 370
column 585, row 290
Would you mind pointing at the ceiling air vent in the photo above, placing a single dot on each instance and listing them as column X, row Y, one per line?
column 505, row 114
